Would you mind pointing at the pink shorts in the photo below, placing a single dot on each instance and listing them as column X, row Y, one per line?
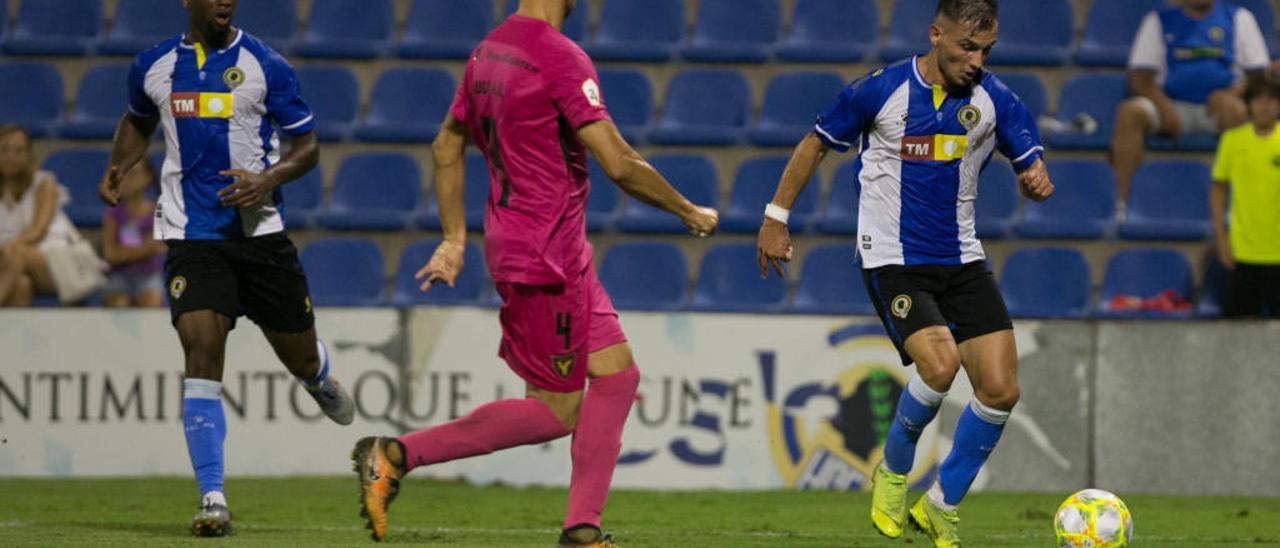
column 549, row 330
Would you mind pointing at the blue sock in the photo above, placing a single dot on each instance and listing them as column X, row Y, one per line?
column 977, row 433
column 916, row 408
column 206, row 428
column 315, row 382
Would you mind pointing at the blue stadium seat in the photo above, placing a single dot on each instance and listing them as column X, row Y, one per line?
column 1050, row 282
column 997, row 200
column 272, row 21
column 341, row 29
column 54, row 27
column 792, row 104
column 629, row 96
column 754, row 186
column 729, row 281
column 344, row 272
column 693, row 175
column 908, row 29
column 4, row 24
column 1082, row 205
column 575, row 27
column 1213, row 289
column 407, row 106
column 638, row 30
column 475, row 196
column 1109, row 30
column 303, row 198
column 1034, row 33
column 100, row 101
column 1265, row 14
column 734, row 31
column 1029, row 88
column 840, row 214
column 830, row 31
column 1144, row 274
column 444, row 29
column 374, row 191
column 1169, row 201
column 36, row 105
column 831, row 283
column 141, row 24
column 603, row 201
column 80, row 170
column 1096, row 94
column 333, row 95
column 468, row 288
column 704, row 107
column 645, row 276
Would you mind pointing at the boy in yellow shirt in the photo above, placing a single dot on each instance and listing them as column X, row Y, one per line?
column 1248, row 161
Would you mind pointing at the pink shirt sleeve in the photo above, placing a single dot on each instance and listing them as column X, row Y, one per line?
column 575, row 88
column 459, row 109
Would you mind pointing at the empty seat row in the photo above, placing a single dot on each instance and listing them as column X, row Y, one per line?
column 383, row 191
column 701, row 107
column 1032, row 33
column 1036, row 282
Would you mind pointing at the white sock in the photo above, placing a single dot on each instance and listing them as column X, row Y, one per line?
column 936, row 498
column 212, row 498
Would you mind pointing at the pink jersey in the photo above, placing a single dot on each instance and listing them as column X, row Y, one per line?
column 526, row 92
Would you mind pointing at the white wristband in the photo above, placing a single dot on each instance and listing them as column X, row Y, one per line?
column 777, row 213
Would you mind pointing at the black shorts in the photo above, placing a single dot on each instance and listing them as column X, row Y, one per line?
column 964, row 298
column 1253, row 291
column 256, row 277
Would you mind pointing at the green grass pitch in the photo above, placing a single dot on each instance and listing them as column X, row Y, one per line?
column 323, row 511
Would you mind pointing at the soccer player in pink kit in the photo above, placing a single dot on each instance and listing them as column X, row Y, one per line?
column 530, row 100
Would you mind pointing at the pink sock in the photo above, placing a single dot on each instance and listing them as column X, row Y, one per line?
column 492, row 426
column 596, row 444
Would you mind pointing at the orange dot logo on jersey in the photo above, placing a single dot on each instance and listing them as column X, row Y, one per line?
column 177, row 286
column 901, row 306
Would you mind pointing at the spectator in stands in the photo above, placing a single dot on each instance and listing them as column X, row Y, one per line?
column 31, row 220
column 1247, row 162
column 136, row 258
column 1185, row 73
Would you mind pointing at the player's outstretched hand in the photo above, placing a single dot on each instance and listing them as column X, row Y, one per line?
column 249, row 189
column 702, row 222
column 773, row 247
column 109, row 186
column 1034, row 182
column 444, row 266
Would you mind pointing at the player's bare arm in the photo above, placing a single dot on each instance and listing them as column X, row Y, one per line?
column 250, row 189
column 447, row 153
column 1143, row 84
column 773, row 244
column 1217, row 215
column 127, row 147
column 638, row 179
column 1034, row 182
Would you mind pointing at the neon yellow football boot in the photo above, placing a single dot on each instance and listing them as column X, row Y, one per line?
column 940, row 525
column 888, row 501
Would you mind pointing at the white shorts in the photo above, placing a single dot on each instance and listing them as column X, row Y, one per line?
column 1192, row 117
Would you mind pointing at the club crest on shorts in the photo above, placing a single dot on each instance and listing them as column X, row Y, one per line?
column 177, row 286
column 900, row 306
column 563, row 364
column 233, row 77
column 969, row 116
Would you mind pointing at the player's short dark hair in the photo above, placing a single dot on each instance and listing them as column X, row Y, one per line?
column 1264, row 83
column 979, row 13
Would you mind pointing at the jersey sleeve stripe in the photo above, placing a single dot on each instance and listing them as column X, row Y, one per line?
column 830, row 138
column 299, row 123
column 1028, row 153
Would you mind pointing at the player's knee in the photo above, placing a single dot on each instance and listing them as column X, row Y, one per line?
column 1132, row 114
column 939, row 368
column 1003, row 396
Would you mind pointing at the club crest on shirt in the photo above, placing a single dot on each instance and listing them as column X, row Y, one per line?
column 901, row 306
column 233, row 77
column 1216, row 34
column 563, row 364
column 177, row 286
column 969, row 116
column 592, row 92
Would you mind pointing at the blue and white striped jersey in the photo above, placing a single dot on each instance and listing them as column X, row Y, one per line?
column 216, row 109
column 921, row 149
